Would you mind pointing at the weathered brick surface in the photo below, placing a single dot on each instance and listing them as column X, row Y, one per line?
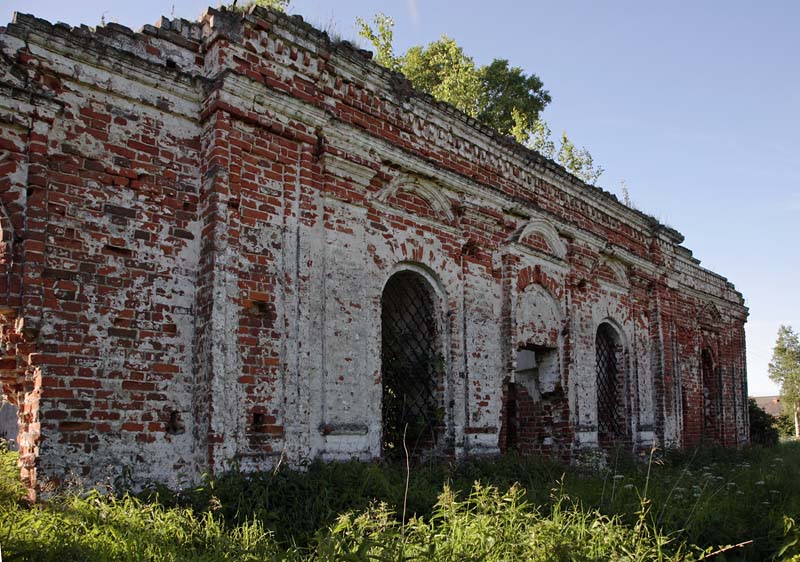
column 198, row 221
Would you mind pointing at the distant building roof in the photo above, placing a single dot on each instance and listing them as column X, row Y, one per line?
column 770, row 404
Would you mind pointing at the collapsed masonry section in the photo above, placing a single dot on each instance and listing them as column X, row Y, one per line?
column 235, row 241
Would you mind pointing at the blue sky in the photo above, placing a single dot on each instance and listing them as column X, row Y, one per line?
column 696, row 105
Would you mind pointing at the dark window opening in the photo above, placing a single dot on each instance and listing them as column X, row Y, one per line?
column 610, row 360
column 711, row 397
column 411, row 367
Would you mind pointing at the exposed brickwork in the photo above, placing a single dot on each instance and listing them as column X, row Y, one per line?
column 198, row 221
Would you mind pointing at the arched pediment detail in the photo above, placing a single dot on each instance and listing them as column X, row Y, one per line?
column 614, row 272
column 709, row 314
column 423, row 189
column 543, row 229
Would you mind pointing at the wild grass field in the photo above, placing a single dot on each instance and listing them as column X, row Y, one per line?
column 691, row 505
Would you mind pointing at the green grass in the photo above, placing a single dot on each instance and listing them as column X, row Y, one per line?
column 677, row 506
column 95, row 527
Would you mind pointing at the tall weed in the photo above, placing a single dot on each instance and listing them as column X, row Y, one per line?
column 493, row 526
column 729, row 505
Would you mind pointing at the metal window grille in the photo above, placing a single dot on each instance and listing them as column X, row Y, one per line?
column 610, row 419
column 410, row 365
column 710, row 396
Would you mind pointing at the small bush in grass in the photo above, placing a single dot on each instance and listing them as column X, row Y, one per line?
column 763, row 426
column 784, row 423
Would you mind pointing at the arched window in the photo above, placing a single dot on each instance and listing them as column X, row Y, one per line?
column 411, row 365
column 711, row 397
column 612, row 426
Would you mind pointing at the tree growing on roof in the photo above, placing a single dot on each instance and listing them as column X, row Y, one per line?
column 498, row 94
column 490, row 93
column 244, row 6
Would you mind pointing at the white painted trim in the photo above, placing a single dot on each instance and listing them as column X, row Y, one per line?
column 546, row 231
column 424, row 189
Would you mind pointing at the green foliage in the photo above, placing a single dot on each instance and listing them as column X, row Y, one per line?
column 381, row 38
column 296, row 505
column 11, row 489
column 243, row 7
column 499, row 95
column 97, row 527
column 790, row 550
column 541, row 141
column 491, row 93
column 784, row 423
column 493, row 526
column 444, row 71
column 784, row 369
column 675, row 506
column 578, row 161
column 763, row 430
column 509, row 99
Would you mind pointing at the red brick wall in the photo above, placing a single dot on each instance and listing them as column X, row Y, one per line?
column 198, row 223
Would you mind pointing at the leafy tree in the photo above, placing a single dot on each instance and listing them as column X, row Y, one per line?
column 784, row 369
column 784, row 423
column 577, row 161
column 444, row 71
column 489, row 93
column 381, row 38
column 280, row 5
column 499, row 95
column 507, row 90
column 541, row 140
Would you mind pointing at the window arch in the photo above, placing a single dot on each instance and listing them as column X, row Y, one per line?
column 412, row 366
column 612, row 418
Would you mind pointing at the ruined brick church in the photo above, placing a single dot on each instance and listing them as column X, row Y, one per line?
column 237, row 240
